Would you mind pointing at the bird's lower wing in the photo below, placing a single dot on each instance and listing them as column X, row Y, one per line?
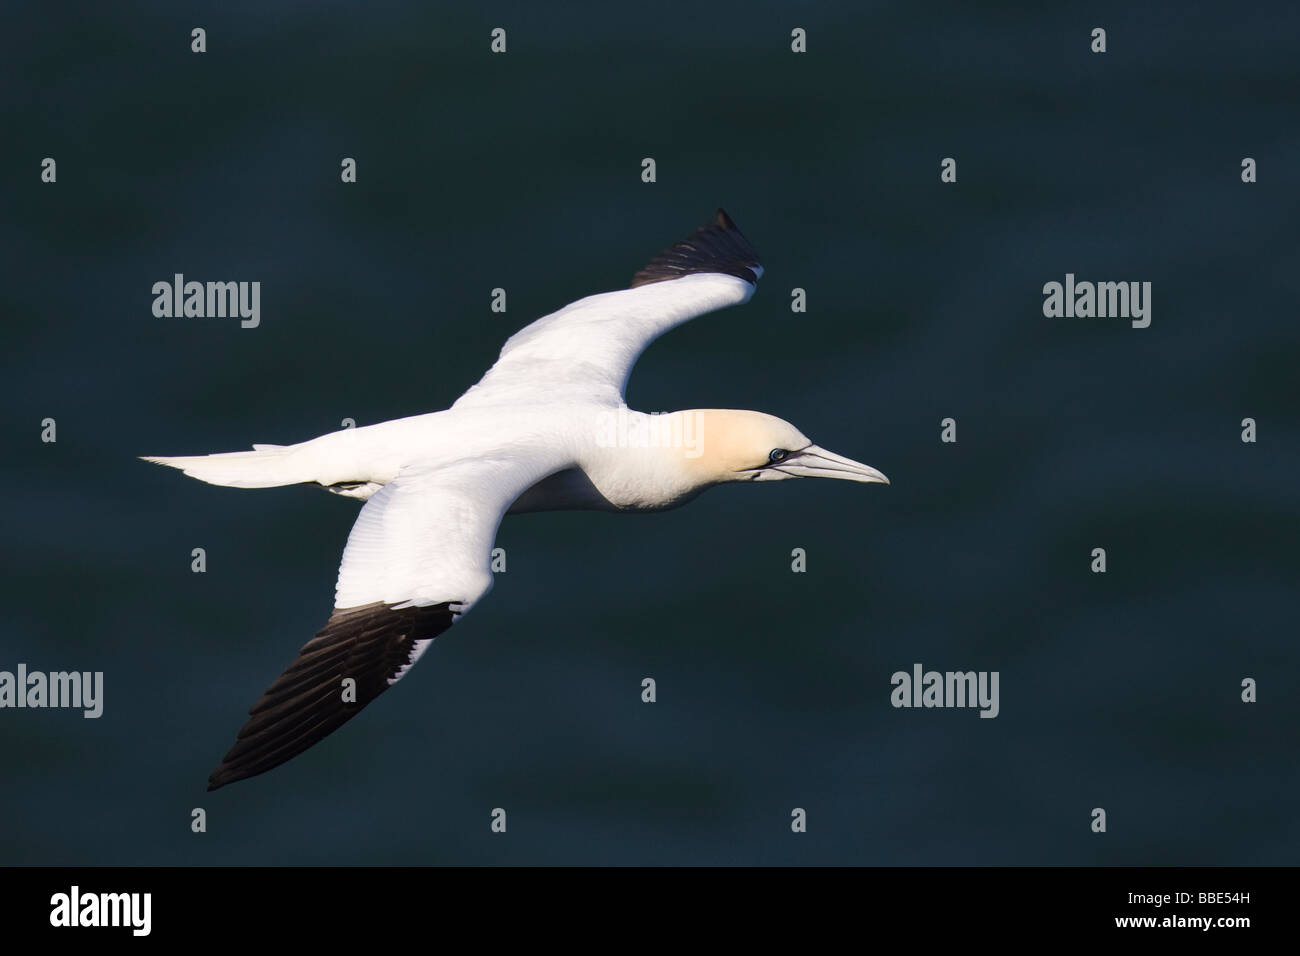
column 418, row 558
column 355, row 657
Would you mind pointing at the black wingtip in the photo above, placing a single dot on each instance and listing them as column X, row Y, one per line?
column 719, row 247
column 224, row 775
column 373, row 644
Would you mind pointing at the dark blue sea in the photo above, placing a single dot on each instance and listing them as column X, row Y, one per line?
column 1119, row 690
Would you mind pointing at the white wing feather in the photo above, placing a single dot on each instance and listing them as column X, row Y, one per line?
column 585, row 351
column 426, row 537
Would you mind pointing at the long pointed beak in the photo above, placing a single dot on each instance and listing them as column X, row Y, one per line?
column 815, row 462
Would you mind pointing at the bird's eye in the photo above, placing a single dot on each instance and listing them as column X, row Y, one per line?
column 777, row 454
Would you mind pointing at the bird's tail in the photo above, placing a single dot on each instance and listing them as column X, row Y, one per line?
column 266, row 466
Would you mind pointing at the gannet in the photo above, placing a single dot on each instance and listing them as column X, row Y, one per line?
column 545, row 429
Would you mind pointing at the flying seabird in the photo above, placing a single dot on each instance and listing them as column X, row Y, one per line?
column 545, row 429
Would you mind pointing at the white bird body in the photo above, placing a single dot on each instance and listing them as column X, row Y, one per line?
column 546, row 428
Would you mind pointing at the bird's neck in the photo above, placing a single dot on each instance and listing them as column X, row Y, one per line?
column 695, row 447
column 648, row 462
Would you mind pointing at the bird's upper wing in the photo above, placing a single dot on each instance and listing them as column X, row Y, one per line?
column 417, row 559
column 585, row 351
